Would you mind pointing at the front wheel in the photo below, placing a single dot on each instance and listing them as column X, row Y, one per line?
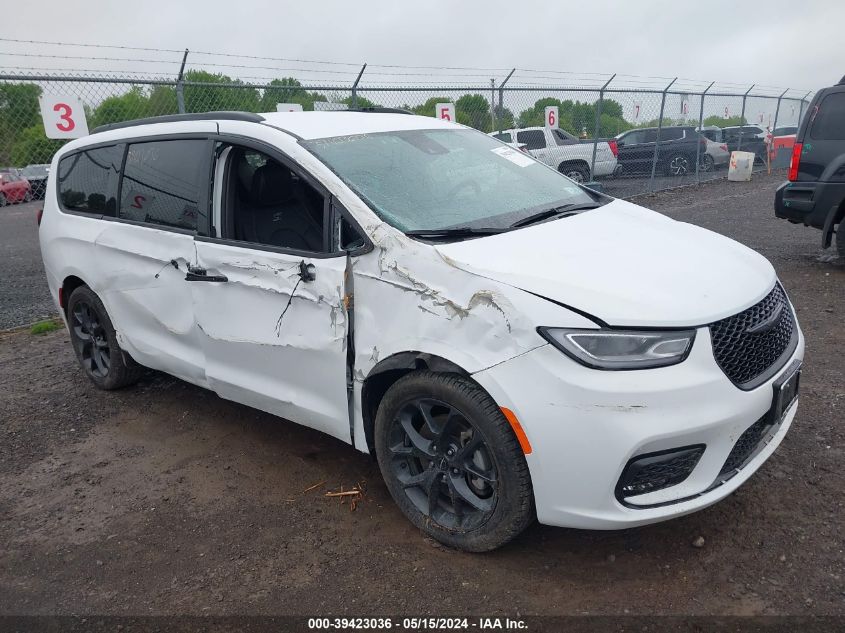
column 95, row 342
column 451, row 461
column 707, row 163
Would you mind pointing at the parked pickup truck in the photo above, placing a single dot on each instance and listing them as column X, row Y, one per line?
column 566, row 153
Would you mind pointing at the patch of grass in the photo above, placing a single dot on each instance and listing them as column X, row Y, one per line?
column 42, row 327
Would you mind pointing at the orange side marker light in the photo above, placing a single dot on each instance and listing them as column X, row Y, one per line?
column 517, row 429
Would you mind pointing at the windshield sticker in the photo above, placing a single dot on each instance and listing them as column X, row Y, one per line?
column 514, row 156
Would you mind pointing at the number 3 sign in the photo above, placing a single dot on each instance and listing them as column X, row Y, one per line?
column 63, row 116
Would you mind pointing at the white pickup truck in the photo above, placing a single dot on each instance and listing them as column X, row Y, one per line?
column 559, row 149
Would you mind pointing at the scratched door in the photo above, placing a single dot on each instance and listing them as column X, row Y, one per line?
column 274, row 332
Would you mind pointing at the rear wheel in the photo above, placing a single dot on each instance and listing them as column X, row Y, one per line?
column 451, row 461
column 707, row 162
column 27, row 197
column 678, row 165
column 3, row 201
column 575, row 171
column 95, row 342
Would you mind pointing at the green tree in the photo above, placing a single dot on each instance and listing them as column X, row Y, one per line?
column 234, row 95
column 723, row 122
column 162, row 101
column 19, row 110
column 134, row 104
column 473, row 110
column 33, row 146
column 288, row 90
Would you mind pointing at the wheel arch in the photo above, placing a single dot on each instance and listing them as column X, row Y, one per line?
column 69, row 284
column 573, row 162
column 386, row 372
column 836, row 216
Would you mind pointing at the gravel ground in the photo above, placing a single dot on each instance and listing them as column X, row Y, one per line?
column 24, row 296
column 164, row 499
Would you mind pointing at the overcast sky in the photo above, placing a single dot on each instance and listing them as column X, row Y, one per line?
column 769, row 42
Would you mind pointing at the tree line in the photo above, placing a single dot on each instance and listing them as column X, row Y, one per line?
column 23, row 142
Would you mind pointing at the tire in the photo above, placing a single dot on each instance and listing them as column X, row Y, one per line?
column 840, row 239
column 707, row 163
column 468, row 486
column 678, row 165
column 3, row 201
column 27, row 197
column 95, row 343
column 574, row 171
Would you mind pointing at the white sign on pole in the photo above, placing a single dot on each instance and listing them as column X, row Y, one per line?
column 637, row 108
column 288, row 107
column 685, row 106
column 551, row 116
column 445, row 111
column 727, row 113
column 63, row 116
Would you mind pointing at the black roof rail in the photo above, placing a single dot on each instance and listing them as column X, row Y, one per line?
column 381, row 110
column 173, row 118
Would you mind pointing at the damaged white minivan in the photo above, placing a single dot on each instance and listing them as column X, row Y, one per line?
column 506, row 343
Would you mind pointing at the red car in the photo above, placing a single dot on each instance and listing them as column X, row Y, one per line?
column 13, row 188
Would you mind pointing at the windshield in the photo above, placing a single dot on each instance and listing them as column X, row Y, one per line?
column 437, row 179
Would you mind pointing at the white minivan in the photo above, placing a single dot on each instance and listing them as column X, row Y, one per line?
column 506, row 343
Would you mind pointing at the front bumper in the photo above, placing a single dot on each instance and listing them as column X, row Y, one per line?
column 584, row 426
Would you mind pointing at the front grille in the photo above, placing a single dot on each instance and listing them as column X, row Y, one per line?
column 747, row 355
column 656, row 471
column 746, row 445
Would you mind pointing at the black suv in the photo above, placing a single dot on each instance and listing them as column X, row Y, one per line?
column 675, row 155
column 815, row 193
column 747, row 138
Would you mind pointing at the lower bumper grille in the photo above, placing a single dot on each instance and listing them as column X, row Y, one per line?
column 655, row 471
column 746, row 445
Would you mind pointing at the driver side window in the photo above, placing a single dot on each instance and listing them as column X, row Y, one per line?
column 266, row 203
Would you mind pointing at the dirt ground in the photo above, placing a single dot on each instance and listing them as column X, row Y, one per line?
column 164, row 499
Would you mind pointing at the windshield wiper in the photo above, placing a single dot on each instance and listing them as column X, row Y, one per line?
column 562, row 211
column 458, row 231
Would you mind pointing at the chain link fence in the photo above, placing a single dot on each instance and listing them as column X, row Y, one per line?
column 630, row 138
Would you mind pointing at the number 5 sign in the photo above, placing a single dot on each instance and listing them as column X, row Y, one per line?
column 445, row 111
column 551, row 116
column 63, row 116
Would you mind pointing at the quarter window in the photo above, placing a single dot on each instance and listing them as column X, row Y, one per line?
column 505, row 137
column 166, row 183
column 829, row 121
column 87, row 180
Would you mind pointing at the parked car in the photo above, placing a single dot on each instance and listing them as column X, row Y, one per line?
column 503, row 340
column 675, row 156
column 36, row 175
column 563, row 151
column 815, row 193
column 746, row 138
column 716, row 155
column 13, row 188
column 711, row 133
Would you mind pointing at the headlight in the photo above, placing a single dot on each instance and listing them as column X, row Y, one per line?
column 621, row 349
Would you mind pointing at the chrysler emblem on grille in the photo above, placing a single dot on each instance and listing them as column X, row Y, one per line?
column 766, row 324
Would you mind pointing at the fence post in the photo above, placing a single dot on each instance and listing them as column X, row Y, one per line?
column 771, row 134
column 659, row 128
column 801, row 108
column 355, row 86
column 700, row 123
column 180, row 86
column 597, row 125
column 742, row 117
column 502, row 97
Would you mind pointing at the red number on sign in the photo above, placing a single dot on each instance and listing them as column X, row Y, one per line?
column 67, row 122
column 444, row 114
column 551, row 117
column 139, row 202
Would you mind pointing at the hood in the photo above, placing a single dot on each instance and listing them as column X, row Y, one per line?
column 624, row 265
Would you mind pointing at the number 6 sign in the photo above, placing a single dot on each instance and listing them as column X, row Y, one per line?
column 63, row 116
column 551, row 116
column 445, row 111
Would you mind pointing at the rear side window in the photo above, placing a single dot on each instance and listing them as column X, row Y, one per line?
column 533, row 139
column 87, row 180
column 829, row 120
column 505, row 137
column 671, row 134
column 166, row 183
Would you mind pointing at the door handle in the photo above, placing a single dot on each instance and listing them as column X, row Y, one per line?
column 201, row 274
